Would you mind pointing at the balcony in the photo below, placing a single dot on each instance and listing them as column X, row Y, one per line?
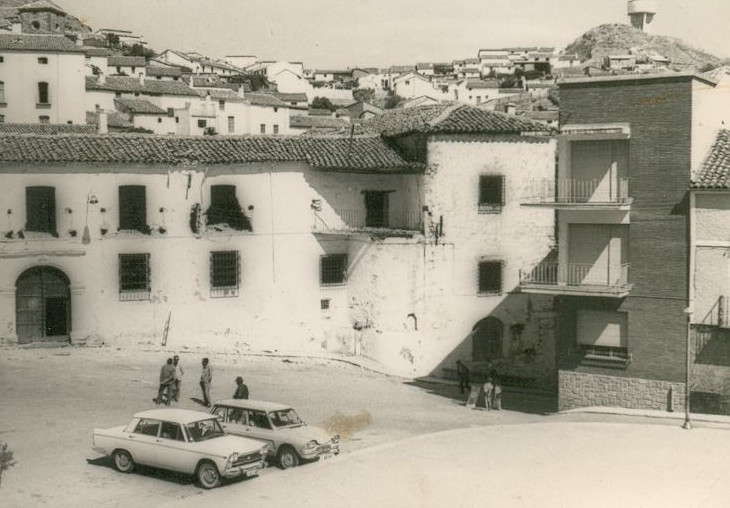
column 405, row 223
column 571, row 194
column 577, row 279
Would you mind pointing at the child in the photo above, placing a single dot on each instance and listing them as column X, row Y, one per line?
column 497, row 397
column 488, row 388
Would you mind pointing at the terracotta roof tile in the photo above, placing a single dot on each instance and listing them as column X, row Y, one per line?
column 138, row 107
column 51, row 43
column 265, row 99
column 357, row 154
column 715, row 171
column 164, row 71
column 37, row 128
column 126, row 61
column 131, row 84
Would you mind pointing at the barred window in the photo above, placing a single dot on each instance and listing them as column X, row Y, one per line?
column 134, row 277
column 333, row 269
column 490, row 277
column 40, row 209
column 225, row 273
column 491, row 193
column 132, row 207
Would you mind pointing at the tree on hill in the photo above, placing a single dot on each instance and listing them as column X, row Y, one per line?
column 138, row 50
column 255, row 81
column 392, row 101
column 364, row 95
column 322, row 103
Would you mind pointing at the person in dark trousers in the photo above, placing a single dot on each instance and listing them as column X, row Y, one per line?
column 178, row 377
column 241, row 389
column 206, row 377
column 167, row 380
column 462, row 372
column 497, row 396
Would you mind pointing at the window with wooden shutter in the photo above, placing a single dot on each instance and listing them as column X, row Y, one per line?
column 491, row 193
column 133, row 207
column 225, row 273
column 134, row 277
column 40, row 203
column 490, row 277
column 225, row 208
column 333, row 270
column 43, row 97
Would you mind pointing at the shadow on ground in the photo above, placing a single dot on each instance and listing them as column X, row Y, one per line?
column 512, row 400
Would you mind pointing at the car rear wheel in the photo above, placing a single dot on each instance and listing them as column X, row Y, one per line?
column 208, row 475
column 123, row 461
column 287, row 457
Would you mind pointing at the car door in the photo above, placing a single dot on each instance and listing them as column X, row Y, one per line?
column 173, row 452
column 258, row 426
column 143, row 441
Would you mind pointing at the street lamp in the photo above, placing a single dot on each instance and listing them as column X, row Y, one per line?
column 688, row 312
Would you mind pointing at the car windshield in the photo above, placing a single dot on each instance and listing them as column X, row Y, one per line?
column 285, row 418
column 204, row 429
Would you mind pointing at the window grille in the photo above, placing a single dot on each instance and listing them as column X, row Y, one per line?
column 132, row 207
column 202, row 123
column 225, row 208
column 324, row 304
column 134, row 277
column 40, row 203
column 490, row 277
column 333, row 270
column 491, row 193
column 225, row 273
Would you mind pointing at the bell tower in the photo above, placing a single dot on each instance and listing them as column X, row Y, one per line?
column 641, row 13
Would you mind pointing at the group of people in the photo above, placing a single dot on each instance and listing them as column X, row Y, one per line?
column 492, row 389
column 171, row 377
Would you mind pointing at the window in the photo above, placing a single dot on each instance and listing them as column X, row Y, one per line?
column 35, row 25
column 276, row 129
column 159, row 120
column 263, row 128
column 170, row 111
column 2, row 118
column 376, row 209
column 133, row 207
column 490, row 277
column 171, row 430
column 333, row 270
column 225, row 208
column 147, row 427
column 222, row 105
column 134, row 277
column 2, row 59
column 225, row 273
column 231, row 125
column 491, row 193
column 324, row 304
column 202, row 124
column 43, row 93
column 44, row 120
column 602, row 337
column 43, row 60
column 40, row 209
column 2, row 92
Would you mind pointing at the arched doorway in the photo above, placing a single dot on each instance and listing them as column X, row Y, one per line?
column 486, row 340
column 42, row 305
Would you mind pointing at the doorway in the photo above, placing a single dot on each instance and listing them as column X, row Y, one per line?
column 487, row 340
column 43, row 305
column 376, row 209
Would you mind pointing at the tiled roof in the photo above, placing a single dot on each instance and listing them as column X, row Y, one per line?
column 155, row 71
column 449, row 118
column 37, row 128
column 715, row 171
column 138, row 107
column 51, row 43
column 292, row 97
column 113, row 119
column 131, row 84
column 221, row 94
column 319, row 112
column 357, row 154
column 94, row 51
column 42, row 5
column 265, row 99
column 309, row 122
column 717, row 74
column 479, row 84
column 126, row 61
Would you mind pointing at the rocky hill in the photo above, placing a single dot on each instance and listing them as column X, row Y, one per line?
column 612, row 39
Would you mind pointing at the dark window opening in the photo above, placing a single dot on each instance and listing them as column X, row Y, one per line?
column 324, row 304
column 45, row 120
column 42, row 60
column 134, row 277
column 225, row 208
column 202, row 124
column 43, row 93
column 225, row 273
column 376, row 209
column 491, row 194
column 333, row 269
column 40, row 209
column 133, row 208
column 276, row 129
column 490, row 277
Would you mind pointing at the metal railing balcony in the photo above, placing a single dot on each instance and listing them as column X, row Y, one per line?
column 577, row 278
column 360, row 220
column 580, row 192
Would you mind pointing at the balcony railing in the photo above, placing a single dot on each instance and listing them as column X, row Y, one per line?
column 580, row 192
column 354, row 220
column 580, row 278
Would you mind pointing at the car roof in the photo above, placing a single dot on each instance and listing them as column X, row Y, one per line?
column 183, row 416
column 253, row 404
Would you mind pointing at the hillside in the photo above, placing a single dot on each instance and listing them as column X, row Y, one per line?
column 612, row 39
column 9, row 12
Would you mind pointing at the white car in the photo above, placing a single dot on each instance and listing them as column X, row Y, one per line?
column 190, row 442
column 291, row 440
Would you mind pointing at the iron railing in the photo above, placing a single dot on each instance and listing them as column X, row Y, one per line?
column 572, row 191
column 577, row 274
column 361, row 220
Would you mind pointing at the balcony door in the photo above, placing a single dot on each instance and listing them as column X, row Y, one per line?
column 597, row 169
column 596, row 253
column 376, row 209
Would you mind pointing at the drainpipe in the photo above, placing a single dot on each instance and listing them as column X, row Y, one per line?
column 690, row 309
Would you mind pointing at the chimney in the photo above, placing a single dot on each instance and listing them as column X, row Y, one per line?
column 101, row 120
column 511, row 108
column 102, row 77
column 141, row 79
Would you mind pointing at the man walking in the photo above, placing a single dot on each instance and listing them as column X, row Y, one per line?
column 206, row 377
column 178, row 377
column 462, row 372
column 167, row 380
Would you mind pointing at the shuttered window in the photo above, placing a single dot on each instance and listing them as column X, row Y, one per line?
column 225, row 273
column 490, row 277
column 132, row 207
column 134, row 277
column 40, row 203
column 491, row 193
column 43, row 97
column 333, row 269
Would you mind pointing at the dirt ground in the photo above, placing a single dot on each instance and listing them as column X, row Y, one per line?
column 51, row 399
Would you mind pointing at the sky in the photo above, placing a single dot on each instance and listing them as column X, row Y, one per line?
column 379, row 33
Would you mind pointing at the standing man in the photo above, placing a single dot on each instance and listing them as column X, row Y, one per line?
column 178, row 377
column 241, row 389
column 462, row 372
column 206, row 377
column 167, row 381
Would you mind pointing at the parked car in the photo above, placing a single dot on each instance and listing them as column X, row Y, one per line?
column 190, row 442
column 292, row 441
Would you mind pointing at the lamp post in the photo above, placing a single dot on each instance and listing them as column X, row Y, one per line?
column 688, row 312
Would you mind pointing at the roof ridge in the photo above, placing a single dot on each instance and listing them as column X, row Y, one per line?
column 444, row 114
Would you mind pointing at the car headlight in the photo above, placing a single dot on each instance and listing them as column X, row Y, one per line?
column 336, row 438
column 266, row 449
column 311, row 444
column 233, row 458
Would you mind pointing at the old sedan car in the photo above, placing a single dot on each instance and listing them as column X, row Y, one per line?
column 292, row 440
column 190, row 442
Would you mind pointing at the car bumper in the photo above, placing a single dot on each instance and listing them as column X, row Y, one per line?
column 244, row 470
column 325, row 451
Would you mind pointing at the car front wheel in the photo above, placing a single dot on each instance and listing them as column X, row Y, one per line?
column 208, row 475
column 287, row 457
column 123, row 461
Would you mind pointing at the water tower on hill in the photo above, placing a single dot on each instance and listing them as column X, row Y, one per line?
column 641, row 13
